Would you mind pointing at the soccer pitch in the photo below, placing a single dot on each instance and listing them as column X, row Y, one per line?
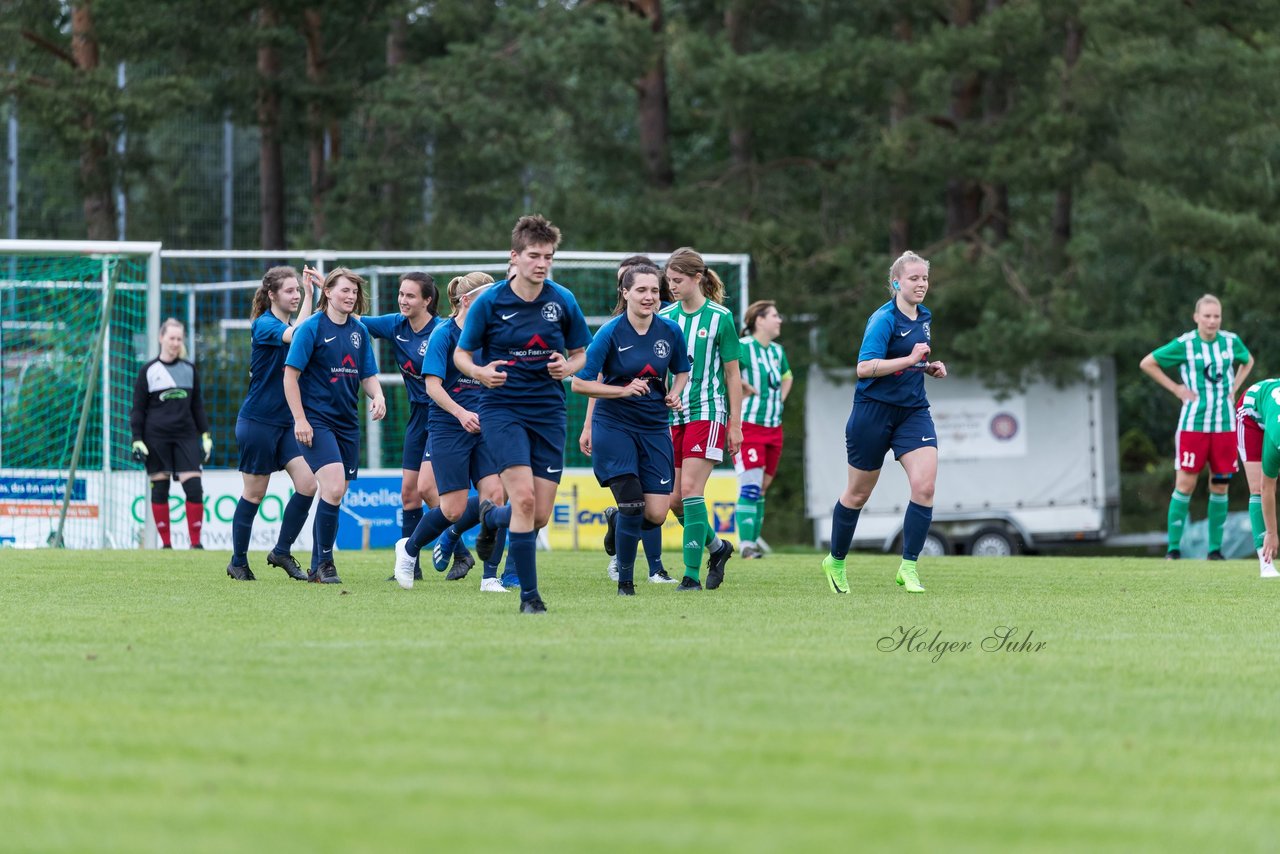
column 148, row 703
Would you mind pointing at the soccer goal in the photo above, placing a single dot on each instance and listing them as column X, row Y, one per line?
column 76, row 321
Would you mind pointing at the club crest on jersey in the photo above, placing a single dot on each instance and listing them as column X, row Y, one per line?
column 551, row 312
column 702, row 333
column 355, row 340
column 926, row 329
column 422, row 348
column 661, row 349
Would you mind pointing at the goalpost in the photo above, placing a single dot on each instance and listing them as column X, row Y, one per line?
column 76, row 318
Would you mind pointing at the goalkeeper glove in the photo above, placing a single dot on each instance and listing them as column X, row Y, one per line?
column 140, row 451
column 206, row 442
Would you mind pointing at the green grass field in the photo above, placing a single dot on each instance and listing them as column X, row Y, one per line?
column 148, row 703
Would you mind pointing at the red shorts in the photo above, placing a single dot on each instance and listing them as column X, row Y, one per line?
column 1248, row 438
column 699, row 439
column 1194, row 449
column 761, row 448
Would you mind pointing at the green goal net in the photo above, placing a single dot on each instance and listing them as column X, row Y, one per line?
column 73, row 333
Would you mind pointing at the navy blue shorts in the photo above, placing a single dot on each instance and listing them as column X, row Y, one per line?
column 460, row 459
column 875, row 427
column 618, row 451
column 415, row 437
column 515, row 440
column 265, row 448
column 329, row 446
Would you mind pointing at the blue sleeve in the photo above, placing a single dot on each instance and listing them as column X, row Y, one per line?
column 597, row 352
column 436, row 362
column 368, row 363
column 268, row 331
column 382, row 325
column 302, row 346
column 474, row 331
column 680, row 357
column 875, row 341
column 576, row 333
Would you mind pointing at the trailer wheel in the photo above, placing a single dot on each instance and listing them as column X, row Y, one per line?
column 994, row 542
column 935, row 545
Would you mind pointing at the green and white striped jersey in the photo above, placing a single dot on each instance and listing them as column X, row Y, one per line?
column 1266, row 406
column 713, row 341
column 764, row 367
column 1208, row 369
column 1251, row 401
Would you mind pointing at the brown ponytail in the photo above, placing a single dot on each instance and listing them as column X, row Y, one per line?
column 272, row 281
column 688, row 262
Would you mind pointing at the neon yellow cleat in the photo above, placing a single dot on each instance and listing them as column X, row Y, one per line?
column 908, row 578
column 834, row 570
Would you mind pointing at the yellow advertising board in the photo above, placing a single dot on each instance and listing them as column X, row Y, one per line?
column 578, row 518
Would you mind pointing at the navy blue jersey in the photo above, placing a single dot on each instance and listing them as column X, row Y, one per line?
column 333, row 360
column 891, row 334
column 409, row 347
column 621, row 354
column 265, row 401
column 465, row 391
column 503, row 327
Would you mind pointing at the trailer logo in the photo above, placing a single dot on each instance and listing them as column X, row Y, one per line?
column 1004, row 426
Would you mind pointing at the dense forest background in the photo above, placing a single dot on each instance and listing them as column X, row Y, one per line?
column 1078, row 172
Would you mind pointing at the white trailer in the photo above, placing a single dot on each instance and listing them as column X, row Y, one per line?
column 1022, row 472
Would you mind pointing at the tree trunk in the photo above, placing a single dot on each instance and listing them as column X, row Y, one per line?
column 1073, row 43
column 739, row 130
column 317, row 156
column 270, row 155
column 963, row 195
column 655, row 130
column 391, row 232
column 899, row 109
column 95, row 148
column 995, row 108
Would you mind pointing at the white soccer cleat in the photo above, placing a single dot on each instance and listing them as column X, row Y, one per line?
column 404, row 564
column 491, row 585
column 613, row 568
column 1266, row 567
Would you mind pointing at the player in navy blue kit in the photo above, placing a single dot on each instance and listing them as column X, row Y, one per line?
column 530, row 336
column 651, row 538
column 264, row 430
column 627, row 367
column 461, row 456
column 890, row 411
column 330, row 361
column 408, row 330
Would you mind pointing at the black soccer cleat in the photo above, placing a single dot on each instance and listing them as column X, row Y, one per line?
column 533, row 606
column 462, row 563
column 288, row 563
column 1173, row 554
column 610, row 531
column 487, row 537
column 688, row 583
column 198, row 547
column 240, row 573
column 626, row 588
column 326, row 573
column 1215, row 555
column 715, row 564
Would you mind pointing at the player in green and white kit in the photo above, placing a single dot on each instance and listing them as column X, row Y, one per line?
column 711, row 415
column 766, row 382
column 1249, row 435
column 1206, row 358
column 1268, row 408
